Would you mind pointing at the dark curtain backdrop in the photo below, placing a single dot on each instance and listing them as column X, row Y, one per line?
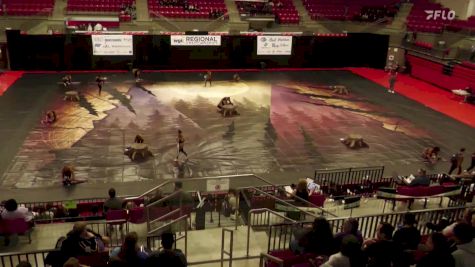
column 74, row 52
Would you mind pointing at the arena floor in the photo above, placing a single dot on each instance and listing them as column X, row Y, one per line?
column 289, row 124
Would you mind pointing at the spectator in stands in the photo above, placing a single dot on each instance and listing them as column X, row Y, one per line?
column 408, row 236
column 350, row 227
column 72, row 262
column 113, row 203
column 465, row 254
column 431, row 154
column 456, row 161
column 421, row 179
column 168, row 256
column 82, row 241
column 350, row 254
column 130, row 252
column 468, row 217
column 319, row 240
column 231, row 202
column 382, row 251
column 301, row 191
column 439, row 252
column 13, row 211
column 472, row 164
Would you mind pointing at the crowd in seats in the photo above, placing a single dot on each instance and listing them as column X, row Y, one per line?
column 15, row 219
column 401, row 246
column 190, row 9
column 284, row 10
column 459, row 25
column 366, row 10
column 100, row 6
column 417, row 20
column 84, row 247
column 27, row 7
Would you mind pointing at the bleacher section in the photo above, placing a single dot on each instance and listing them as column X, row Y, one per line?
column 417, row 20
column 462, row 75
column 97, row 6
column 192, row 9
column 284, row 10
column 27, row 7
column 366, row 10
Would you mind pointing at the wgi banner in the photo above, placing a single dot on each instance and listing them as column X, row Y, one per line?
column 112, row 45
column 274, row 45
column 195, row 40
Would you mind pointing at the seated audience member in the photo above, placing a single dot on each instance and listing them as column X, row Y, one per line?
column 421, row 179
column 113, row 203
column 382, row 251
column 465, row 254
column 431, row 154
column 408, row 236
column 138, row 139
column 439, row 252
column 350, row 254
column 130, row 253
column 167, row 256
column 350, row 228
column 49, row 118
column 13, row 211
column 468, row 218
column 301, row 190
column 319, row 240
column 82, row 241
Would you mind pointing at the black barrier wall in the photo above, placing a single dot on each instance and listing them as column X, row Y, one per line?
column 74, row 52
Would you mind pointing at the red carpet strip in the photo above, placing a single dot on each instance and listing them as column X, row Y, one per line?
column 429, row 95
column 7, row 79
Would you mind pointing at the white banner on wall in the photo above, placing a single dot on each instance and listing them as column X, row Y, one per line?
column 112, row 45
column 217, row 185
column 274, row 45
column 195, row 40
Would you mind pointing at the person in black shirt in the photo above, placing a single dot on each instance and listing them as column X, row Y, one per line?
column 168, row 256
column 301, row 191
column 439, row 252
column 100, row 83
column 382, row 251
column 408, row 236
column 319, row 240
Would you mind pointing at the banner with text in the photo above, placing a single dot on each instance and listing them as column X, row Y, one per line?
column 274, row 45
column 112, row 45
column 195, row 40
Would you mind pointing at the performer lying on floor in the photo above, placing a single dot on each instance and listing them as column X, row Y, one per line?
column 68, row 176
column 67, row 80
column 49, row 118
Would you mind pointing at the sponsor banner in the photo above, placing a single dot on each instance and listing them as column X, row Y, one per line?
column 195, row 40
column 274, row 45
column 217, row 185
column 112, row 45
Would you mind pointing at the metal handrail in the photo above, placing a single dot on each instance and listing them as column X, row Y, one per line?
column 198, row 179
column 293, row 206
column 165, row 216
column 163, row 199
column 279, row 262
column 268, row 223
column 224, row 252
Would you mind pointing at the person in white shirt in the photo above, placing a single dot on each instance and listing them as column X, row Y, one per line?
column 12, row 211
